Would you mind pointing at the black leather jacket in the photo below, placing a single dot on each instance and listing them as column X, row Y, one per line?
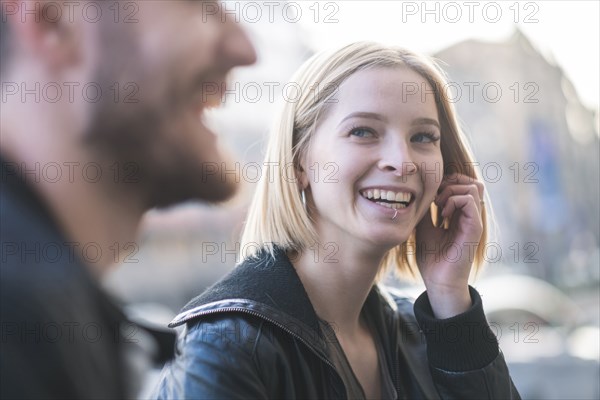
column 255, row 334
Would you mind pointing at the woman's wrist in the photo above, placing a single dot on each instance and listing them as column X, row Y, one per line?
column 448, row 302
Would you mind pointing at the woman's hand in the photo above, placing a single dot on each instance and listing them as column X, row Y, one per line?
column 445, row 256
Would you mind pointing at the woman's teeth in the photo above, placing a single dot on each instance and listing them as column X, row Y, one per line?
column 388, row 198
column 395, row 206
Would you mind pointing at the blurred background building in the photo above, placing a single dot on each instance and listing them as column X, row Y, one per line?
column 537, row 145
column 538, row 150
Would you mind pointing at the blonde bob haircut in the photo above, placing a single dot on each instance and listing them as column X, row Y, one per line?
column 277, row 217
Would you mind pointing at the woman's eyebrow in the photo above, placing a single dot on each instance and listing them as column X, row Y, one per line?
column 364, row 114
column 426, row 121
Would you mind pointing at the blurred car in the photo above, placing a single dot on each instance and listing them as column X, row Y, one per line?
column 550, row 343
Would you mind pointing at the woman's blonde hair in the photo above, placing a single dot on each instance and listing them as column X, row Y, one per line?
column 277, row 217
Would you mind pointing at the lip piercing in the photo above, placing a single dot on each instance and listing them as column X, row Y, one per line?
column 395, row 214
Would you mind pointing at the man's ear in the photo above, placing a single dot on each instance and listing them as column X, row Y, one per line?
column 46, row 34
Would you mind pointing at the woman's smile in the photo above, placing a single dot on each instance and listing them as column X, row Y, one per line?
column 388, row 202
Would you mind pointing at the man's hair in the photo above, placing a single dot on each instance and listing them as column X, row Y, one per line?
column 277, row 216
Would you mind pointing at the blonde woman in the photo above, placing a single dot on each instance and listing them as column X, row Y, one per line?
column 380, row 180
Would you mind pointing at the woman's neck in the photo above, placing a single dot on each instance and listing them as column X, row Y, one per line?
column 338, row 279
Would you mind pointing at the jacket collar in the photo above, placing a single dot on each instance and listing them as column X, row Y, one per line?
column 267, row 280
column 268, row 287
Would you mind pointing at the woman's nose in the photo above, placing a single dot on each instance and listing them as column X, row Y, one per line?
column 398, row 160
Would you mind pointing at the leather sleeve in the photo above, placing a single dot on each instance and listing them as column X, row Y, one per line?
column 464, row 357
column 214, row 361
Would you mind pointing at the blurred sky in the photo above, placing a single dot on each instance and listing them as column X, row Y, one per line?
column 566, row 31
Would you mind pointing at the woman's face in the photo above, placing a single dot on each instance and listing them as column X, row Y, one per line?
column 374, row 154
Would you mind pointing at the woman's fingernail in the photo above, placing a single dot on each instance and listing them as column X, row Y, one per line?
column 446, row 223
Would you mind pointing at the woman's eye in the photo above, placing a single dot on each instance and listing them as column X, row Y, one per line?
column 361, row 132
column 425, row 138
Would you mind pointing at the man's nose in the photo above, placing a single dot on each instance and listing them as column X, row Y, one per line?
column 237, row 48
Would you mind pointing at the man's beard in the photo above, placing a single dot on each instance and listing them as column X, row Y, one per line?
column 153, row 167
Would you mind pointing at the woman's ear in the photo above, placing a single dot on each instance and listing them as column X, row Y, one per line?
column 302, row 171
column 302, row 177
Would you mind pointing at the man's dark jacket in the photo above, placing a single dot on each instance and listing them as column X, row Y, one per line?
column 61, row 336
column 60, row 333
column 255, row 334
